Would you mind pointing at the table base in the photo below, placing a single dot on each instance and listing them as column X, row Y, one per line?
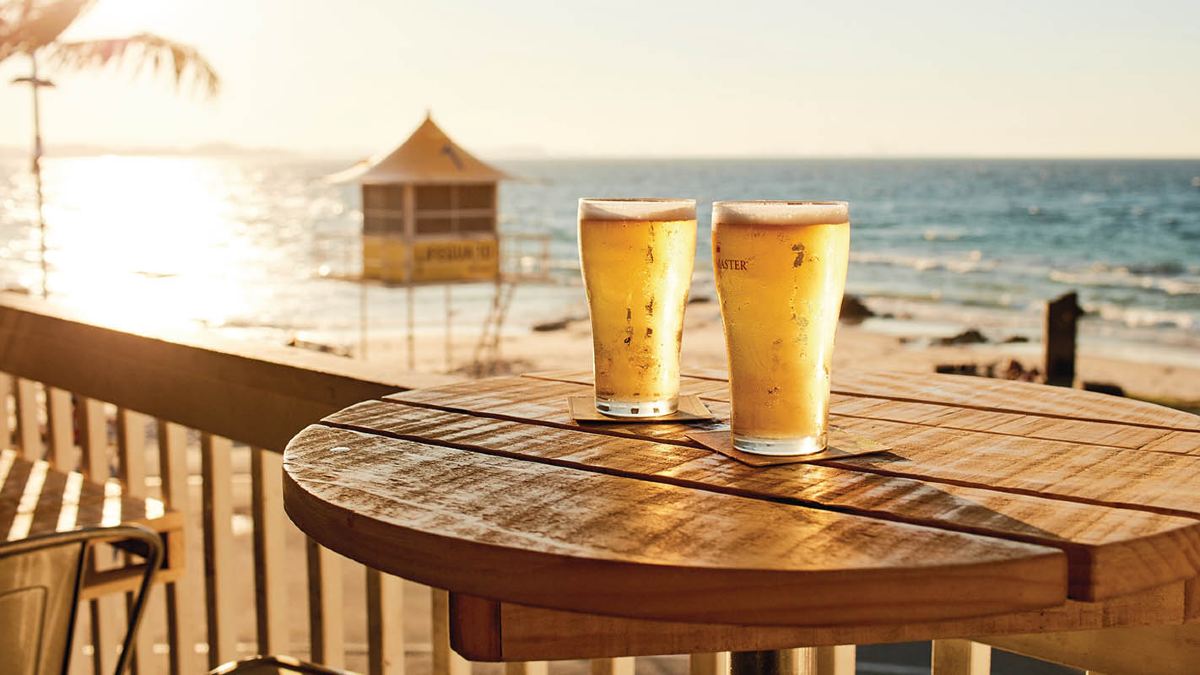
column 769, row 662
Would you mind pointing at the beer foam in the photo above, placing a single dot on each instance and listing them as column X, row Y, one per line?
column 637, row 209
column 767, row 212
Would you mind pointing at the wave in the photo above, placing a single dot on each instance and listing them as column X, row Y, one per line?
column 1138, row 317
column 1171, row 278
column 971, row 263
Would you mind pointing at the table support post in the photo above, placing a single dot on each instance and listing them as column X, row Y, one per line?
column 777, row 662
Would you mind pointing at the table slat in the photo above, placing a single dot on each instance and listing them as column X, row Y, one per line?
column 454, row 518
column 1112, row 550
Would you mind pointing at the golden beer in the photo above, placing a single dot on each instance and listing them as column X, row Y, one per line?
column 780, row 269
column 637, row 258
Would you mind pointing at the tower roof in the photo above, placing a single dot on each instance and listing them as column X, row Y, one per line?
column 428, row 156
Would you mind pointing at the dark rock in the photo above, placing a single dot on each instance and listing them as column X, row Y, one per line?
column 957, row 369
column 319, row 347
column 1104, row 388
column 970, row 336
column 854, row 311
column 551, row 326
column 1015, row 339
column 699, row 300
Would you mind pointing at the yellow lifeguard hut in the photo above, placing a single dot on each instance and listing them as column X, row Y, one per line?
column 429, row 217
column 429, row 212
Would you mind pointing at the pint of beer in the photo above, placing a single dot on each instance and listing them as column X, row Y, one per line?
column 637, row 257
column 780, row 269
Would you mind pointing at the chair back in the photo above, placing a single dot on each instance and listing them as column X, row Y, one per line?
column 40, row 581
column 38, row 588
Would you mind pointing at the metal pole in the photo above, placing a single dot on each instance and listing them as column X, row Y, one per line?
column 362, row 319
column 35, row 84
column 449, row 341
column 412, row 343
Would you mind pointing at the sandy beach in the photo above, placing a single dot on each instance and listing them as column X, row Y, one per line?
column 858, row 347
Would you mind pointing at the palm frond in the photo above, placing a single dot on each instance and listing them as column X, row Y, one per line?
column 26, row 26
column 141, row 52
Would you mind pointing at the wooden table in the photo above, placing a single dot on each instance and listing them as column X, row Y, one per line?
column 1005, row 512
column 36, row 499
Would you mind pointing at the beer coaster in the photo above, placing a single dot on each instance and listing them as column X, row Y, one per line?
column 691, row 409
column 842, row 444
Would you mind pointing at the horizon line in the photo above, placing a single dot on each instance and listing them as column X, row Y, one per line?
column 223, row 149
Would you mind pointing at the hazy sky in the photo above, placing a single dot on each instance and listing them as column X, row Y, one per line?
column 644, row 77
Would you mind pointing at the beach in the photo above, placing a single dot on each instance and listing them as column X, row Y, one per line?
column 858, row 347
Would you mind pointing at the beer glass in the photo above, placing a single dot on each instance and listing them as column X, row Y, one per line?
column 637, row 257
column 780, row 268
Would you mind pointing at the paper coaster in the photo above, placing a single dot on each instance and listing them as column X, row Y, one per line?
column 691, row 409
column 842, row 443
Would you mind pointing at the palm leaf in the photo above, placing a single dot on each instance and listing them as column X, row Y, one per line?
column 26, row 26
column 141, row 52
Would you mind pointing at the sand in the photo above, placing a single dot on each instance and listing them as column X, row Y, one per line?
column 858, row 346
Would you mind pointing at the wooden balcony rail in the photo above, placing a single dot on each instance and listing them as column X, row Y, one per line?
column 200, row 422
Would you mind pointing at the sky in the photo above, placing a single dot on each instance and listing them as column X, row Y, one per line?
column 646, row 78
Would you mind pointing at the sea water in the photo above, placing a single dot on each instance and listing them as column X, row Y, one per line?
column 253, row 245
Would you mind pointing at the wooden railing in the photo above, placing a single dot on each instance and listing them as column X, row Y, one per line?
column 200, row 422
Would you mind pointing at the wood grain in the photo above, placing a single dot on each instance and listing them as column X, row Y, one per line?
column 924, row 450
column 257, row 394
column 36, row 500
column 1109, row 482
column 1162, row 650
column 994, row 394
column 458, row 519
column 1112, row 551
column 1031, row 423
column 505, row 631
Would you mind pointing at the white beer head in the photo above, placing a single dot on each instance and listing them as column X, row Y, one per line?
column 637, row 209
column 784, row 212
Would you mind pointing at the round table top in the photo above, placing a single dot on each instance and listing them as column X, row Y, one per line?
column 994, row 497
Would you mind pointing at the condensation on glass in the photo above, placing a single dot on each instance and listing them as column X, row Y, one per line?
column 637, row 257
column 780, row 269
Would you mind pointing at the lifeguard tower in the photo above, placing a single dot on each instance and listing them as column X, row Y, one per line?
column 429, row 213
column 430, row 217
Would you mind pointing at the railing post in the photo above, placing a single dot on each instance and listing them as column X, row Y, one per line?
column 131, row 470
column 710, row 663
column 839, row 660
column 270, row 568
column 6, row 420
column 385, row 623
column 618, row 666
column 172, row 462
column 526, row 668
column 961, row 657
column 326, row 632
column 106, row 611
column 61, row 422
column 29, row 427
column 215, row 468
column 445, row 660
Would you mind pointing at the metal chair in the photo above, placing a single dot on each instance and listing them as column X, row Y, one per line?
column 41, row 578
column 271, row 665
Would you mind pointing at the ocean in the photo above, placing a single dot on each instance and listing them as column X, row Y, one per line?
column 253, row 246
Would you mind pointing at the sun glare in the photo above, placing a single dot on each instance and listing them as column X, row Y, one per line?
column 156, row 229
